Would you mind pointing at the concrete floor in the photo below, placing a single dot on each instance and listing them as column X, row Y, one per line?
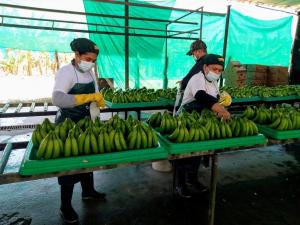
column 256, row 187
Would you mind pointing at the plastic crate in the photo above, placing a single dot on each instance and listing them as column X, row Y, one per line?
column 135, row 104
column 250, row 99
column 32, row 166
column 188, row 147
column 276, row 134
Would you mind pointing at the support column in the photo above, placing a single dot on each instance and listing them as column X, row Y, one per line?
column 126, row 45
column 295, row 56
column 225, row 38
column 165, row 82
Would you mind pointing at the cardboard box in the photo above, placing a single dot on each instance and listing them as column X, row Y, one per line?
column 256, row 68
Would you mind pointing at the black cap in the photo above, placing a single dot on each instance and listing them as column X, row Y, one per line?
column 213, row 59
column 196, row 45
column 84, row 45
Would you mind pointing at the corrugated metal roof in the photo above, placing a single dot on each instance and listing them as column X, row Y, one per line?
column 292, row 5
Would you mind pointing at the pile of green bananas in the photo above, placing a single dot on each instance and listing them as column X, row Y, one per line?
column 169, row 93
column 130, row 95
column 281, row 117
column 193, row 126
column 262, row 91
column 241, row 92
column 88, row 137
column 138, row 95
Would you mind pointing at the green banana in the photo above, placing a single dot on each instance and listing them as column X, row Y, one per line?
column 87, row 144
column 74, row 144
column 117, row 142
column 138, row 139
column 42, row 148
column 122, row 141
column 132, row 139
column 81, row 140
column 154, row 139
column 94, row 144
column 101, row 142
column 56, row 149
column 68, row 147
column 180, row 137
column 144, row 139
column 49, row 150
column 186, row 135
column 107, row 143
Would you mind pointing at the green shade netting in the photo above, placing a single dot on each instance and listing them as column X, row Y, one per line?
column 147, row 54
column 37, row 39
column 266, row 42
column 250, row 40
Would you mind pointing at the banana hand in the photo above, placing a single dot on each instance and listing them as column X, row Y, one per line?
column 225, row 99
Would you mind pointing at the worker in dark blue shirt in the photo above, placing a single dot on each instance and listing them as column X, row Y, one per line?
column 198, row 50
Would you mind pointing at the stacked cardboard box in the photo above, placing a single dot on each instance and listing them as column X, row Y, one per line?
column 235, row 74
column 277, row 75
column 238, row 75
column 256, row 75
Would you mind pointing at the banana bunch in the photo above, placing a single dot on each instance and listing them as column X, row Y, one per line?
column 76, row 130
column 241, row 127
column 61, row 131
column 51, row 147
column 280, row 117
column 47, row 125
column 117, row 122
column 71, row 146
column 37, row 135
column 195, row 133
column 86, row 122
column 262, row 116
column 284, row 123
column 168, row 124
column 249, row 112
column 87, row 142
column 142, row 136
column 285, row 119
column 218, row 129
column 155, row 120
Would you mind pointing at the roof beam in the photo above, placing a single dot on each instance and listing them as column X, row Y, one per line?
column 93, row 14
column 155, row 6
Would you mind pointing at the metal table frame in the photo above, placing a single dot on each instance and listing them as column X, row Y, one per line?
column 7, row 178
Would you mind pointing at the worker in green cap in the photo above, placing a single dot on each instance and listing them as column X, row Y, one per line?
column 74, row 90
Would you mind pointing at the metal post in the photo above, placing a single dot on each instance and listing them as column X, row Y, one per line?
column 226, row 38
column 5, row 157
column 213, row 189
column 165, row 82
column 295, row 55
column 126, row 46
column 201, row 23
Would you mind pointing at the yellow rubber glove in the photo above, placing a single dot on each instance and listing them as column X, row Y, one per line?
column 86, row 98
column 225, row 99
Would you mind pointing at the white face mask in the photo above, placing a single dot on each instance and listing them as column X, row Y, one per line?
column 195, row 58
column 85, row 66
column 211, row 76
